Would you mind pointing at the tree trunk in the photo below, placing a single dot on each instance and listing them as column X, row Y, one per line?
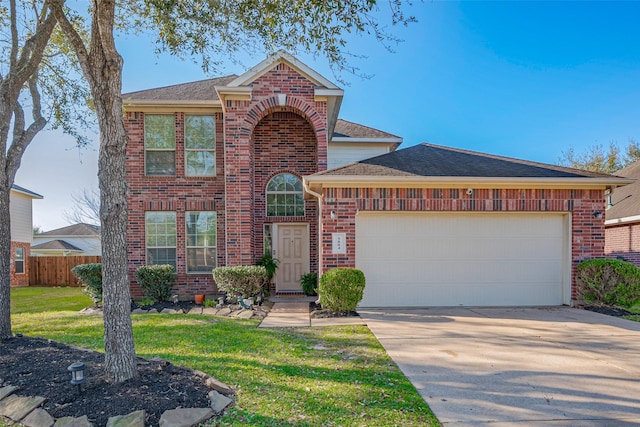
column 5, row 263
column 120, row 357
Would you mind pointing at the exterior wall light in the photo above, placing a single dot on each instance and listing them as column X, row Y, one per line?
column 334, row 215
column 597, row 214
column 77, row 374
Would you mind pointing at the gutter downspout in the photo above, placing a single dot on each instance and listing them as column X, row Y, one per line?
column 320, row 224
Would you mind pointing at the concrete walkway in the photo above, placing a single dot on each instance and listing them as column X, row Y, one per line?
column 294, row 313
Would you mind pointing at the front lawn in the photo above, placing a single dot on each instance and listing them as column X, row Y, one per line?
column 336, row 376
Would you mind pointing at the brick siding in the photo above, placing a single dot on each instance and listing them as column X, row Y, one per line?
column 18, row 280
column 587, row 231
column 282, row 129
column 623, row 242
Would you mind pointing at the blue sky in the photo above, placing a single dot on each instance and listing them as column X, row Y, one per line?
column 519, row 79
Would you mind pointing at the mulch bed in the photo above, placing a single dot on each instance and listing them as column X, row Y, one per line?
column 609, row 311
column 317, row 312
column 39, row 368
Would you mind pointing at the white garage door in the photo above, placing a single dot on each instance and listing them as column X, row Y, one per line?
column 468, row 259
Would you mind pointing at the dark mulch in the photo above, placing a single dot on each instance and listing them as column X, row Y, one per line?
column 609, row 311
column 39, row 368
column 180, row 305
column 317, row 312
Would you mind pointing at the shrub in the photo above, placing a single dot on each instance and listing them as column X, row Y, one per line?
column 156, row 281
column 341, row 289
column 244, row 280
column 608, row 282
column 309, row 283
column 270, row 265
column 90, row 275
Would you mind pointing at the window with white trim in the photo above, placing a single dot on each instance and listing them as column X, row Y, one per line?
column 160, row 237
column 200, row 145
column 201, row 241
column 284, row 196
column 159, row 144
column 18, row 262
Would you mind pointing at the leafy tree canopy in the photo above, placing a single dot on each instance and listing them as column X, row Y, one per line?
column 597, row 158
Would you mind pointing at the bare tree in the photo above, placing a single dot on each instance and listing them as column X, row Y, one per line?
column 86, row 207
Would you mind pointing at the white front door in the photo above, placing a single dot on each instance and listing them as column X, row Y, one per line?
column 292, row 250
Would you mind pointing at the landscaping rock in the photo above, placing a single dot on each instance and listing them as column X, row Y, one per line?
column 38, row 418
column 139, row 311
column 153, row 310
column 225, row 311
column 7, row 390
column 217, row 385
column 195, row 310
column 171, row 311
column 210, row 310
column 218, row 401
column 134, row 419
column 185, row 417
column 17, row 407
column 82, row 421
column 245, row 314
column 92, row 311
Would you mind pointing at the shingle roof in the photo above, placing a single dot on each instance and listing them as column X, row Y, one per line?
column 56, row 245
column 428, row 160
column 80, row 229
column 348, row 129
column 626, row 200
column 202, row 90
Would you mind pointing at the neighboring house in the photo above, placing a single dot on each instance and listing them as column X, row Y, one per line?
column 222, row 170
column 76, row 239
column 20, row 205
column 622, row 225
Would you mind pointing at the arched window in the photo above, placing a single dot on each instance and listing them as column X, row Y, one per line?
column 284, row 196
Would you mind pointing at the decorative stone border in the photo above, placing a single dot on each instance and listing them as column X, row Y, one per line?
column 26, row 411
column 231, row 310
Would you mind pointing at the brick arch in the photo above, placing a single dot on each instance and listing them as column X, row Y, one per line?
column 292, row 104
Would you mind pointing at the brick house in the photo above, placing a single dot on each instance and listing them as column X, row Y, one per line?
column 222, row 170
column 622, row 225
column 21, row 233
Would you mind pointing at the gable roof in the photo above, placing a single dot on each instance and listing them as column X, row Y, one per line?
column 191, row 92
column 77, row 230
column 56, row 245
column 282, row 57
column 26, row 192
column 625, row 201
column 346, row 129
column 432, row 165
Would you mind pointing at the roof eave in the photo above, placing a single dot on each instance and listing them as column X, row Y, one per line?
column 317, row 182
column 397, row 141
column 27, row 193
column 623, row 220
column 142, row 104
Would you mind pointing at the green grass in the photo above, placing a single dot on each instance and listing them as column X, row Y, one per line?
column 36, row 300
column 336, row 376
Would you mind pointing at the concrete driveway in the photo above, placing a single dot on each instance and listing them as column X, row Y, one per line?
column 517, row 366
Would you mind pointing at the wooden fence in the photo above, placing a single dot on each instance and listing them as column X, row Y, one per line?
column 56, row 270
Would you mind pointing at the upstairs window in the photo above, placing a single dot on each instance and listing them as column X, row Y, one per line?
column 284, row 196
column 19, row 261
column 200, row 145
column 160, row 235
column 159, row 144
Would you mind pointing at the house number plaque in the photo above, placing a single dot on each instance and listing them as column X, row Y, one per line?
column 339, row 243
